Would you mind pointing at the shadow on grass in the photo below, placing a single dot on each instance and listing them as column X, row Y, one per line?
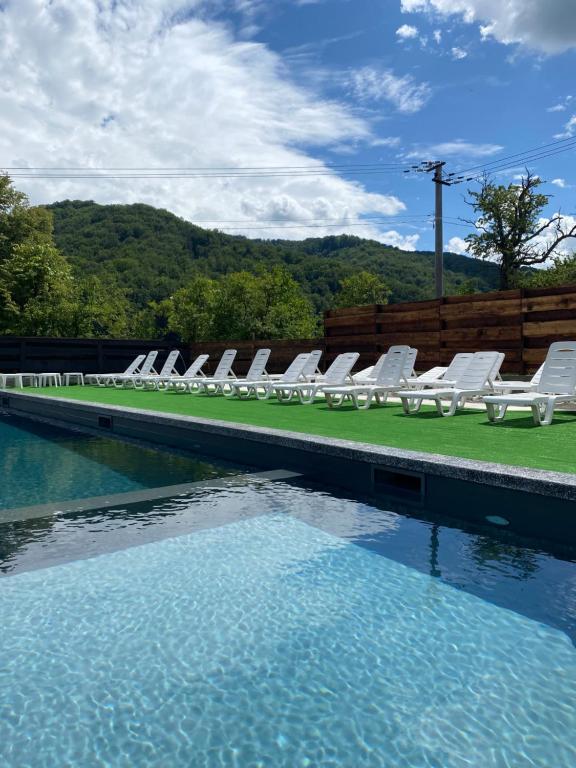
column 433, row 414
column 526, row 422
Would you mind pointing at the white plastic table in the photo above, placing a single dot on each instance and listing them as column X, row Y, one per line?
column 49, row 380
column 74, row 377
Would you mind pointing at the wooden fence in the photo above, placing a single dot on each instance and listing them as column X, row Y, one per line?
column 521, row 323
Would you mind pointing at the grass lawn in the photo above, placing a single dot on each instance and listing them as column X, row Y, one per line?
column 468, row 435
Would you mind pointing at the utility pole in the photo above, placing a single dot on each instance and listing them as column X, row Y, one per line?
column 437, row 166
column 439, row 229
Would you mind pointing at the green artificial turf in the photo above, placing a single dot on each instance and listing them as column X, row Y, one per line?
column 467, row 435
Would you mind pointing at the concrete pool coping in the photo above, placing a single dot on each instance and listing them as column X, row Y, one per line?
column 192, row 433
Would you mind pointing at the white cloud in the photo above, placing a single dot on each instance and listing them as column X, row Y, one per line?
column 456, row 148
column 567, row 246
column 543, row 25
column 407, row 95
column 437, row 36
column 559, row 183
column 153, row 84
column 557, row 108
column 406, row 32
column 405, row 242
column 458, row 53
column 457, row 245
column 569, row 129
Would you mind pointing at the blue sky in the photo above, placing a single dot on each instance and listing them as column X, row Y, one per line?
column 164, row 84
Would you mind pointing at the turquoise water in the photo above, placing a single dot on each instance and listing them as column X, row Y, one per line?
column 41, row 464
column 304, row 630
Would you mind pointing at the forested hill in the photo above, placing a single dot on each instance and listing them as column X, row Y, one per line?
column 152, row 253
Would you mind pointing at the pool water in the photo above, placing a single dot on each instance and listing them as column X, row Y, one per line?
column 264, row 624
column 41, row 463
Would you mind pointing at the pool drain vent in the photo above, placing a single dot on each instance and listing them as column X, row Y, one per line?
column 497, row 520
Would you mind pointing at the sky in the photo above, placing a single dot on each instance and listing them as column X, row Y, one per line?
column 319, row 106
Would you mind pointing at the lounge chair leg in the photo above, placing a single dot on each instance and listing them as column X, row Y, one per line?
column 411, row 405
column 364, row 406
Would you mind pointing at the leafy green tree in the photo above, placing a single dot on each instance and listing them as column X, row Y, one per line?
column 266, row 306
column 37, row 291
column 19, row 222
column 101, row 310
column 152, row 322
column 191, row 310
column 562, row 272
column 512, row 230
column 362, row 288
column 467, row 287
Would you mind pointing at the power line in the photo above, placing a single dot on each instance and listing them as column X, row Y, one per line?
column 205, row 168
column 185, row 176
column 504, row 166
column 508, row 157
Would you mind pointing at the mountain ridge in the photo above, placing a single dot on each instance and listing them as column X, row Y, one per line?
column 151, row 252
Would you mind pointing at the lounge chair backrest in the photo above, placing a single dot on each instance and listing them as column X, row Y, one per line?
column 311, row 367
column 478, row 371
column 134, row 365
column 458, row 365
column 410, row 362
column 372, row 371
column 224, row 367
column 258, row 366
column 169, row 366
column 433, row 374
column 148, row 364
column 537, row 376
column 393, row 370
column 559, row 372
column 295, row 370
column 340, row 369
column 495, row 374
column 378, row 367
column 195, row 369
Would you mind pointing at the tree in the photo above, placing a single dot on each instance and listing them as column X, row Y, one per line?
column 511, row 229
column 270, row 305
column 362, row 288
column 101, row 310
column 192, row 309
column 19, row 222
column 562, row 272
column 37, row 297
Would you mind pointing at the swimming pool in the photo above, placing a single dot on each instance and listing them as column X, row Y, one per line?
column 252, row 622
column 41, row 463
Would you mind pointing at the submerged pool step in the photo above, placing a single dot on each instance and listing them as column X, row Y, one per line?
column 19, row 514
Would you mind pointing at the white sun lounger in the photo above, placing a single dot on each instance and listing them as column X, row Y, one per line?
column 296, row 372
column 146, row 369
column 370, row 375
column 557, row 385
column 191, row 375
column 256, row 372
column 168, row 369
column 337, row 374
column 447, row 376
column 101, row 379
column 391, row 378
column 223, row 371
column 504, row 387
column 474, row 382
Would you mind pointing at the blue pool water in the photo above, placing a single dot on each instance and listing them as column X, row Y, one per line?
column 271, row 624
column 40, row 464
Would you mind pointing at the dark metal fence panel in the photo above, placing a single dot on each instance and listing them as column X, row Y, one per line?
column 36, row 354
